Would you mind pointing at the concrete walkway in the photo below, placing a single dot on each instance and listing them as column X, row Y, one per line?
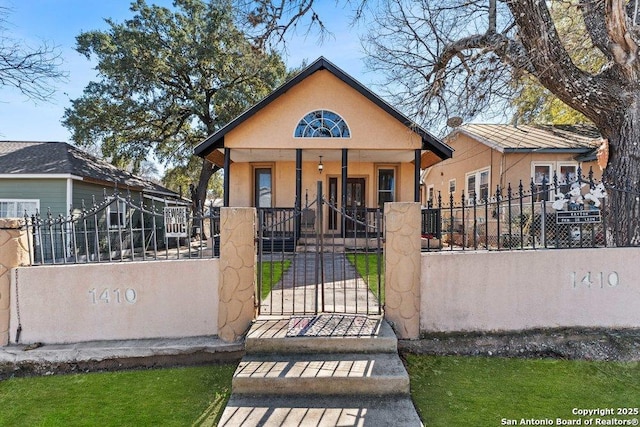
column 344, row 291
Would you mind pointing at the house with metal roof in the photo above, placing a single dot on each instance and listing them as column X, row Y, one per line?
column 55, row 176
column 491, row 155
column 322, row 126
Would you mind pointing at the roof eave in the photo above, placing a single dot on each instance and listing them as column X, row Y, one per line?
column 429, row 142
column 548, row 150
column 20, row 175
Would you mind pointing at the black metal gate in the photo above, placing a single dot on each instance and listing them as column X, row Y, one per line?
column 303, row 269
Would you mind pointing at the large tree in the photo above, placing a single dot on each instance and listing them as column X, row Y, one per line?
column 533, row 102
column 472, row 52
column 32, row 70
column 167, row 79
column 462, row 57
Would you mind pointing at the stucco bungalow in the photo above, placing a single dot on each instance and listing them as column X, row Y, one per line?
column 491, row 155
column 322, row 125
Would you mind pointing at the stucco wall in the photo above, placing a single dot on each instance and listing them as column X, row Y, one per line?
column 480, row 291
column 284, row 178
column 151, row 299
column 471, row 155
column 366, row 120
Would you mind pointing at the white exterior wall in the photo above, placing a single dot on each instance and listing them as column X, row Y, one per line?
column 115, row 301
column 516, row 290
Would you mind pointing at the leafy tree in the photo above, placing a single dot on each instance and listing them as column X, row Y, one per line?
column 31, row 70
column 460, row 58
column 181, row 177
column 536, row 104
column 167, row 79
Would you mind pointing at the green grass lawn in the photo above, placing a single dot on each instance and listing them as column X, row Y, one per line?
column 158, row 397
column 271, row 274
column 476, row 391
column 367, row 267
column 448, row 391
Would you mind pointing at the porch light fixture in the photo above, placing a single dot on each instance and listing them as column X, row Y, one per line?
column 320, row 165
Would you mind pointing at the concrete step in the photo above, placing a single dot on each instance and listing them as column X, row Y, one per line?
column 321, row 334
column 321, row 374
column 319, row 411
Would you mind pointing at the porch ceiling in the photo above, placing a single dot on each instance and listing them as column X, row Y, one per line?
column 376, row 156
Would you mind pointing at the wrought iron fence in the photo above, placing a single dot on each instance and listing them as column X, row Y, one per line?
column 119, row 228
column 567, row 212
column 302, row 270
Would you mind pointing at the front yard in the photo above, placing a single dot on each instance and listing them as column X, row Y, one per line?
column 448, row 391
column 479, row 391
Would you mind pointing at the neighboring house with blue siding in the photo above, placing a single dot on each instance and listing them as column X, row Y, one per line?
column 55, row 176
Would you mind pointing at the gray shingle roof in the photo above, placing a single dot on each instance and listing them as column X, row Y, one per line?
column 49, row 158
column 574, row 138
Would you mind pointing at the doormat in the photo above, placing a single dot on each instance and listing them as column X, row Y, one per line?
column 332, row 325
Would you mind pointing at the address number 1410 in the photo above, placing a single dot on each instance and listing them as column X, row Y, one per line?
column 595, row 279
column 113, row 296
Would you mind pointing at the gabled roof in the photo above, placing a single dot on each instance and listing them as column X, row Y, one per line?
column 62, row 159
column 429, row 142
column 540, row 138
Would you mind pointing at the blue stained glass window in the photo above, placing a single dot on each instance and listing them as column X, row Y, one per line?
column 322, row 124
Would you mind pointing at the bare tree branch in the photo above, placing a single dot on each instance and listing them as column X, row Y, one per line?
column 33, row 71
column 270, row 21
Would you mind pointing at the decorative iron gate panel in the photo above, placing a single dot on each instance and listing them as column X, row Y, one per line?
column 303, row 271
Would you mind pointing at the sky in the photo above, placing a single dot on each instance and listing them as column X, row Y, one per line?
column 58, row 22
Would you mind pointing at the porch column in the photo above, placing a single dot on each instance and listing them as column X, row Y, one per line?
column 345, row 162
column 227, row 163
column 14, row 252
column 416, row 177
column 298, row 204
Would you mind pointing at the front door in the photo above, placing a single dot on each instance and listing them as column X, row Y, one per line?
column 355, row 206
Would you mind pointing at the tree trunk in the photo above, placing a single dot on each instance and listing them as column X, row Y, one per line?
column 199, row 192
column 622, row 175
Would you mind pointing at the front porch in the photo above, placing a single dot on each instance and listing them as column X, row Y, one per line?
column 351, row 183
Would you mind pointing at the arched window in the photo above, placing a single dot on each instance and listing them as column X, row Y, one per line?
column 322, row 124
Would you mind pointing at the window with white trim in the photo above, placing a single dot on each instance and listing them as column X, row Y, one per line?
column 263, row 187
column 430, row 194
column 117, row 214
column 477, row 185
column 542, row 175
column 567, row 174
column 16, row 208
column 386, row 185
column 322, row 124
column 452, row 186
